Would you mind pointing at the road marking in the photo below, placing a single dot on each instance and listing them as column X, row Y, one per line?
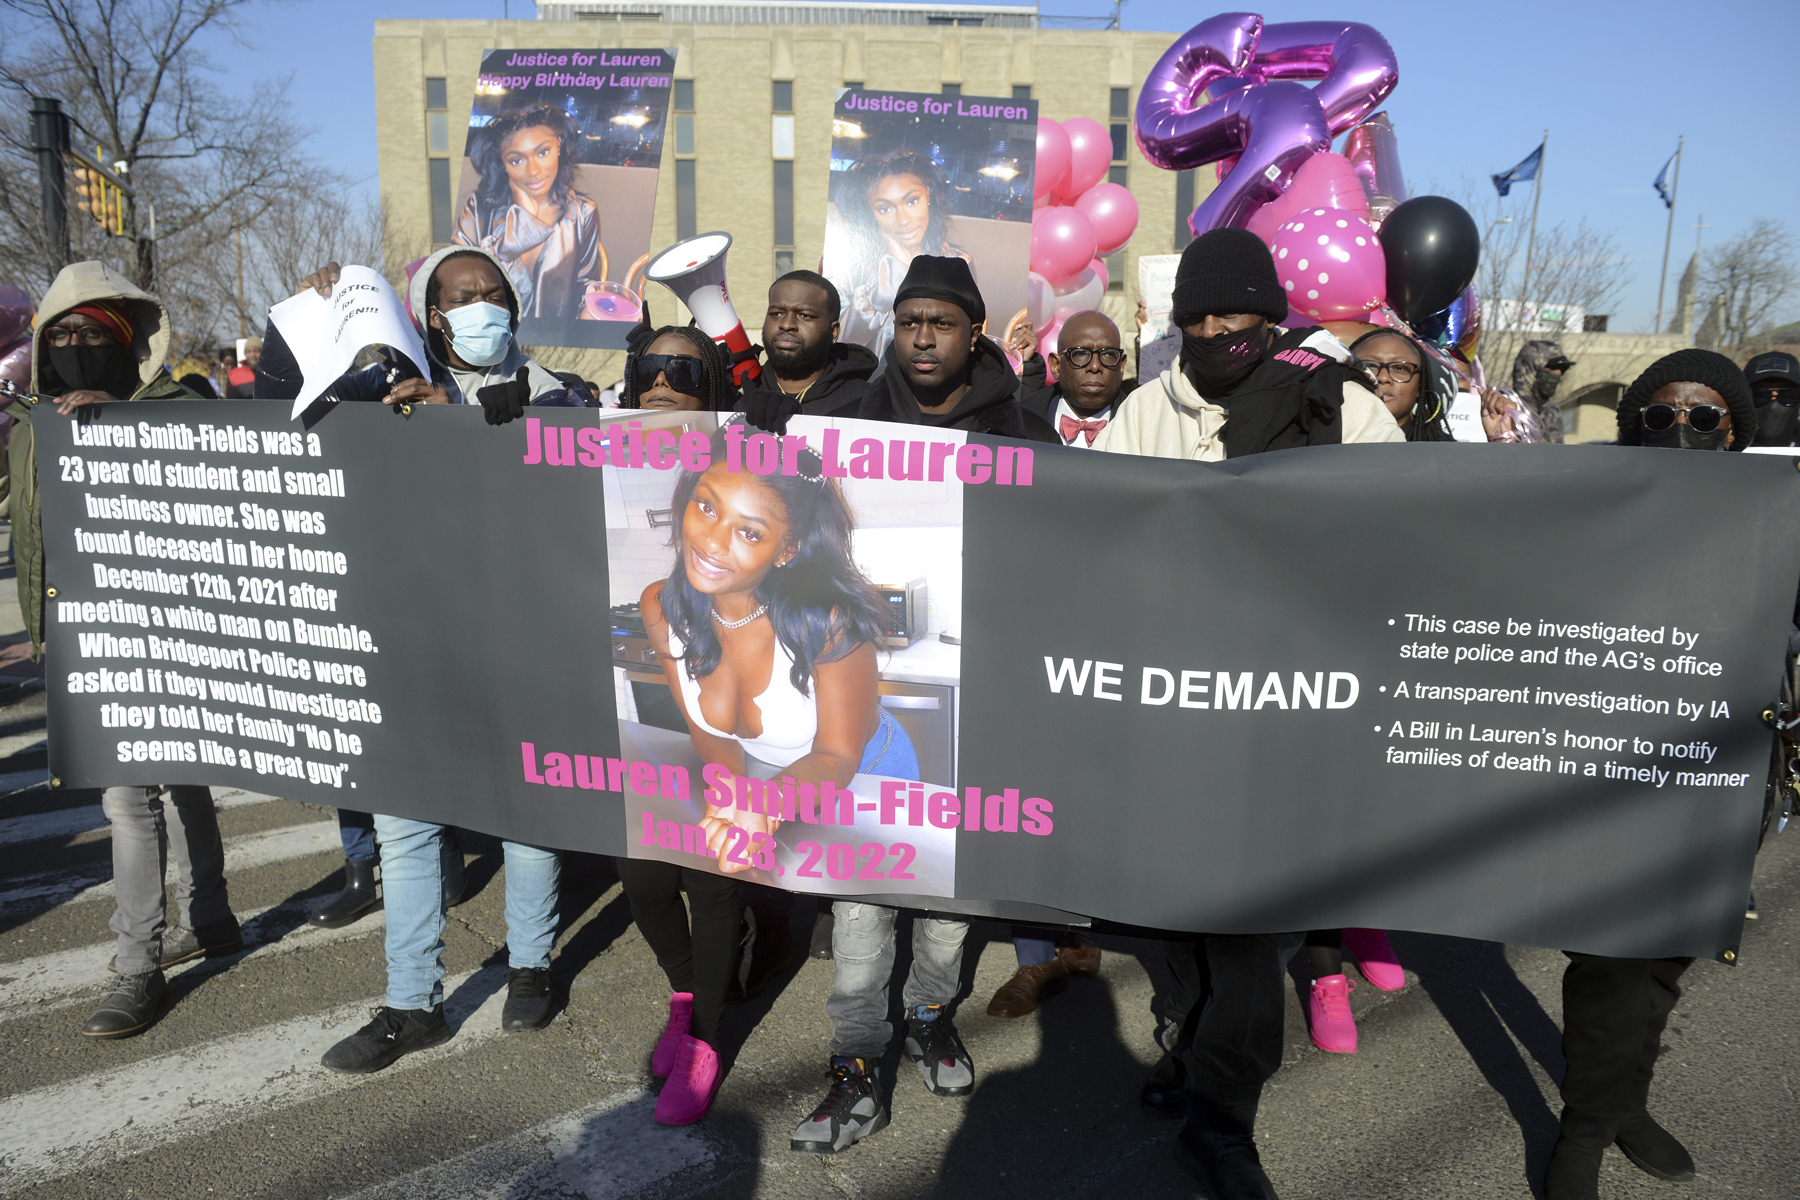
column 610, row 1150
column 74, row 885
column 67, row 822
column 34, row 985
column 85, row 1123
column 14, row 782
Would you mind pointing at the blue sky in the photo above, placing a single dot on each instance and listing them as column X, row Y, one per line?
column 1615, row 82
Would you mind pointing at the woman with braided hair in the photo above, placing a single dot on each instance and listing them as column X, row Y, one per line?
column 766, row 630
column 677, row 368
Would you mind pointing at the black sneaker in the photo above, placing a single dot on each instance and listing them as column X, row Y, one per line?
column 850, row 1112
column 528, row 1000
column 394, row 1032
column 1226, row 1165
column 931, row 1042
column 129, row 1008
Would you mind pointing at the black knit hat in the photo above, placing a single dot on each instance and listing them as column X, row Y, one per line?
column 1704, row 367
column 1227, row 271
column 946, row 279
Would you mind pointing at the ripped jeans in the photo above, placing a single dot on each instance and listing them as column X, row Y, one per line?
column 862, row 952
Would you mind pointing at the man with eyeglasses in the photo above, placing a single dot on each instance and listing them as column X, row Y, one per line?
column 1774, row 380
column 102, row 341
column 1090, row 377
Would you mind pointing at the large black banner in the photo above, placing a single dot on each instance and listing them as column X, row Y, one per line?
column 1510, row 692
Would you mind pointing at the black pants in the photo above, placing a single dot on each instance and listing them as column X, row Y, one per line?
column 1226, row 1015
column 697, row 960
column 1614, row 1012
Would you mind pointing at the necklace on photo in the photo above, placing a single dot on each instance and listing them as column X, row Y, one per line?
column 739, row 624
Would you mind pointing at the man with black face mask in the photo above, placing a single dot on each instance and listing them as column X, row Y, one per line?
column 1242, row 384
column 1537, row 372
column 102, row 341
column 807, row 364
column 1774, row 380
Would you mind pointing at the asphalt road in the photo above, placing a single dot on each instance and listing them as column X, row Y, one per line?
column 1451, row 1094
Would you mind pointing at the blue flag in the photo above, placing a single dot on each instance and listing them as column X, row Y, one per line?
column 1661, row 184
column 1523, row 173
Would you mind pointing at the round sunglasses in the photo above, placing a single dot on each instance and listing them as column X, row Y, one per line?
column 1702, row 418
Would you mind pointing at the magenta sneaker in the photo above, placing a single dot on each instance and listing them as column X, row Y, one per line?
column 689, row 1092
column 681, row 1014
column 1328, row 1015
column 1375, row 958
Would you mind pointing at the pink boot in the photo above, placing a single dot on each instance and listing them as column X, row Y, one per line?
column 689, row 1092
column 681, row 1014
column 1328, row 1015
column 1375, row 958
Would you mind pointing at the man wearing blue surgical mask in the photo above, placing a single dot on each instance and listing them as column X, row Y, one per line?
column 463, row 302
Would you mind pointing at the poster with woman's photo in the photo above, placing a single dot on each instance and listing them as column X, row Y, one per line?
column 915, row 174
column 786, row 625
column 559, row 181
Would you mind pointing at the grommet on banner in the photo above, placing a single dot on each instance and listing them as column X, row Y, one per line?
column 1729, row 956
column 406, row 410
column 55, row 782
column 51, row 592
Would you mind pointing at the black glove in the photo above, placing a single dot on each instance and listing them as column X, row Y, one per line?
column 505, row 402
column 770, row 409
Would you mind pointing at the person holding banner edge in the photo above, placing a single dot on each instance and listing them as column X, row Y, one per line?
column 1241, row 385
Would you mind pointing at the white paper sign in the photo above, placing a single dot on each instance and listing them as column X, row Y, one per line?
column 326, row 334
column 1159, row 341
column 1464, row 418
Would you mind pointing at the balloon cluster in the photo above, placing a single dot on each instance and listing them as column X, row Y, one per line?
column 1078, row 218
column 1348, row 244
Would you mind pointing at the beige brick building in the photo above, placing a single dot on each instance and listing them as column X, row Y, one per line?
column 726, row 159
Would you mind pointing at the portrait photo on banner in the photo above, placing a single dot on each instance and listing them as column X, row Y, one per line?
column 857, row 556
column 912, row 174
column 559, row 182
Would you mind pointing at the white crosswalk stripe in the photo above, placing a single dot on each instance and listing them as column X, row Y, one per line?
column 78, row 884
column 67, row 822
column 607, row 1151
column 67, row 977
column 54, row 1131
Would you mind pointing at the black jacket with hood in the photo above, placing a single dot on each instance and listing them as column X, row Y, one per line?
column 991, row 405
column 838, row 391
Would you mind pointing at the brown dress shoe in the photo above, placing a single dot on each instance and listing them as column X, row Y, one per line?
column 1020, row 994
column 1081, row 960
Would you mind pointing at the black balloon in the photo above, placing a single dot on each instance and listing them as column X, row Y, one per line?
column 1432, row 249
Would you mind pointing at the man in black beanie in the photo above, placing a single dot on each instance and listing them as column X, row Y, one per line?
column 1690, row 400
column 1281, row 388
column 940, row 370
column 1241, row 385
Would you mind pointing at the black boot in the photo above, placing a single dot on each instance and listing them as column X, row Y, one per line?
column 821, row 934
column 1165, row 1092
column 455, row 883
column 1654, row 1150
column 1218, row 1147
column 1574, row 1172
column 358, row 897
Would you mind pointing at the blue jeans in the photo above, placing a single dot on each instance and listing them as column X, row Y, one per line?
column 412, row 887
column 890, row 752
column 357, row 829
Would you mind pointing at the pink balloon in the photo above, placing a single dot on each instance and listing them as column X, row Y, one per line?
column 1046, row 338
column 1062, row 242
column 1052, row 158
column 1323, row 181
column 1079, row 294
column 1114, row 212
column 1040, row 300
column 1090, row 153
column 1331, row 264
column 1098, row 267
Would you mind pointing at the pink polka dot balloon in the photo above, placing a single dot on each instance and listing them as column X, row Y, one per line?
column 1331, row 265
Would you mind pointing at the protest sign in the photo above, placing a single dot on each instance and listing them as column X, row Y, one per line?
column 1158, row 341
column 559, row 180
column 1232, row 697
column 325, row 334
column 915, row 174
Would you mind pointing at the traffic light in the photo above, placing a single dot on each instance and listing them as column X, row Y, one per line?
column 96, row 195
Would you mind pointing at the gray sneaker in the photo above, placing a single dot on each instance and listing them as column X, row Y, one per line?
column 850, row 1112
column 932, row 1043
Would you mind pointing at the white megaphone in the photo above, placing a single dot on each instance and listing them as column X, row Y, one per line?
column 695, row 271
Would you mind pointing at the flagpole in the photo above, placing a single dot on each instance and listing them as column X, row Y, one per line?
column 1537, row 193
column 1674, row 194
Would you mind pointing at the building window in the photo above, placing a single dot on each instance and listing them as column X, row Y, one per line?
column 1115, row 271
column 440, row 200
column 1121, row 104
column 686, row 224
column 784, row 206
column 1184, row 204
column 784, row 262
column 951, row 89
column 437, row 147
column 684, row 117
column 1021, row 91
column 1116, row 174
column 1121, row 134
column 781, row 98
column 953, row 20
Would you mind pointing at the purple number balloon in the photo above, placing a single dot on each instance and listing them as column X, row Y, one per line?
column 1270, row 126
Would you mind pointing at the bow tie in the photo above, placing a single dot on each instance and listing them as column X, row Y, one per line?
column 1069, row 427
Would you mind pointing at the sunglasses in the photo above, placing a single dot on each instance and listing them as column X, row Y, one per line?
column 684, row 373
column 1773, row 395
column 1702, row 418
column 1559, row 364
column 1080, row 356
